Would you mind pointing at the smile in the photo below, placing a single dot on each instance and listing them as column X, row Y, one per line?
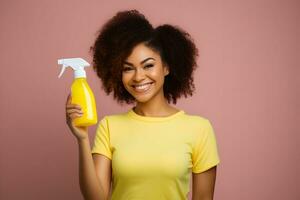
column 142, row 88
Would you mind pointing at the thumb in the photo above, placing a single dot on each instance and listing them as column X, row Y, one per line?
column 69, row 99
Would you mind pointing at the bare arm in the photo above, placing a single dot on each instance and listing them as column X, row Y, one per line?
column 91, row 184
column 204, row 184
column 94, row 173
column 103, row 171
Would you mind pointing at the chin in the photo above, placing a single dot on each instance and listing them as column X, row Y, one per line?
column 142, row 99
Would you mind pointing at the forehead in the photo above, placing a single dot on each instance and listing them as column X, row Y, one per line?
column 141, row 52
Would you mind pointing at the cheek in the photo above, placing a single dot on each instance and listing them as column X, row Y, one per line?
column 157, row 75
column 125, row 80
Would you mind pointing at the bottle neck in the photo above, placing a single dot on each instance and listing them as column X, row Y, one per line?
column 79, row 74
column 80, row 78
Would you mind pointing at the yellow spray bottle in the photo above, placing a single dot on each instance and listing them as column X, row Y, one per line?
column 80, row 91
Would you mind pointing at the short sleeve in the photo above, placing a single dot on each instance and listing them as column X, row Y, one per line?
column 102, row 139
column 205, row 152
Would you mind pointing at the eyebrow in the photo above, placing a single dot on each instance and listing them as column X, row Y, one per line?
column 128, row 63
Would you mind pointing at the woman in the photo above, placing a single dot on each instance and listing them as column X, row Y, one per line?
column 150, row 151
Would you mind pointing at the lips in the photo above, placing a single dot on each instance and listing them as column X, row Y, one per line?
column 140, row 88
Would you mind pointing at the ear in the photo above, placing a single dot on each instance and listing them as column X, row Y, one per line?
column 166, row 70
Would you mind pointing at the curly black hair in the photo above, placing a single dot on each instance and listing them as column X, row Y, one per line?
column 116, row 40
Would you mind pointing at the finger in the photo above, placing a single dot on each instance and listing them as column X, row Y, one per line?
column 70, row 118
column 73, row 106
column 75, row 115
column 70, row 111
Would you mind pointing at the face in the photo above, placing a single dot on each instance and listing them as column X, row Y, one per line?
column 143, row 73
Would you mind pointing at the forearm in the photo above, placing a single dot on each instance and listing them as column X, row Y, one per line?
column 202, row 198
column 89, row 184
column 202, row 195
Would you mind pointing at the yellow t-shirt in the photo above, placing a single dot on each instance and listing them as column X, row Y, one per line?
column 153, row 157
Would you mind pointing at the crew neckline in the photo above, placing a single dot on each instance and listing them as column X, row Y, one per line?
column 134, row 115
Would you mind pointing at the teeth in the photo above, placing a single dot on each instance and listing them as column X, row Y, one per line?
column 142, row 88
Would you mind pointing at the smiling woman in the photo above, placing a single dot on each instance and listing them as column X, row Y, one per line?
column 120, row 42
column 145, row 79
column 150, row 151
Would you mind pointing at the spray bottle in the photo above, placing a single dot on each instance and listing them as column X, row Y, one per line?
column 80, row 91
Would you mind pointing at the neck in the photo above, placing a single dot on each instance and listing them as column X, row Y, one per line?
column 156, row 107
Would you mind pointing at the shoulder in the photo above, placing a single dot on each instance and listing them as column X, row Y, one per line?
column 196, row 119
column 111, row 118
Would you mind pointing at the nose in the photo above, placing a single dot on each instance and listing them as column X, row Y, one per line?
column 139, row 75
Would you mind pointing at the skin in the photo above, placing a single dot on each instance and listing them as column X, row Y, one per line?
column 152, row 104
column 204, row 184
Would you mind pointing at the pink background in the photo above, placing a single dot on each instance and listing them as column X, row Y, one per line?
column 247, row 84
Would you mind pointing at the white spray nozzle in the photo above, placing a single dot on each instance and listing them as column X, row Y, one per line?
column 77, row 64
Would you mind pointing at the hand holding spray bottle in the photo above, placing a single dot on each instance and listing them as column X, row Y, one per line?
column 80, row 91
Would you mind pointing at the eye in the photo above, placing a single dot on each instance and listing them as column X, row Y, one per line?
column 126, row 68
column 148, row 66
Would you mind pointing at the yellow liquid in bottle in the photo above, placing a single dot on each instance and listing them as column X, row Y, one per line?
column 83, row 96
